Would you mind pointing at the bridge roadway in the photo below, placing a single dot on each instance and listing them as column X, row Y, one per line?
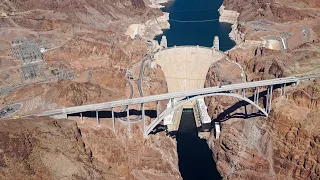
column 190, row 93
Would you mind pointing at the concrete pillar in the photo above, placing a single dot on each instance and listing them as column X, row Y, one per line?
column 217, row 129
column 257, row 102
column 158, row 109
column 81, row 118
column 267, row 100
column 143, row 118
column 255, row 95
column 283, row 89
column 270, row 99
column 98, row 120
column 113, row 120
column 172, row 102
column 128, row 121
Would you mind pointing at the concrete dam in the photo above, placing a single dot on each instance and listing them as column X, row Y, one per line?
column 186, row 67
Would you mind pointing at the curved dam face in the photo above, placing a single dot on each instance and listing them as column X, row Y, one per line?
column 186, row 67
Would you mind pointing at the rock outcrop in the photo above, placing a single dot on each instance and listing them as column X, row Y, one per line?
column 284, row 145
column 43, row 148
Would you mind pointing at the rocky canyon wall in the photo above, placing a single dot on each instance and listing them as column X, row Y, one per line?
column 285, row 144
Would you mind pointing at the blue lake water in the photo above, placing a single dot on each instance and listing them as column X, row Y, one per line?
column 196, row 33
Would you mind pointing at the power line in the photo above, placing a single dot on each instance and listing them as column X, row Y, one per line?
column 199, row 21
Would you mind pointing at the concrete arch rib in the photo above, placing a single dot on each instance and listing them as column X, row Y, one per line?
column 155, row 122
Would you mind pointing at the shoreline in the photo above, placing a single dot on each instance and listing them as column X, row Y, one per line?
column 231, row 17
column 152, row 27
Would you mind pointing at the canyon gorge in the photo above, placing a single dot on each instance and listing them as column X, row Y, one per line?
column 103, row 44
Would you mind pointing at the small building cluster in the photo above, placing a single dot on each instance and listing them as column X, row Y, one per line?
column 31, row 57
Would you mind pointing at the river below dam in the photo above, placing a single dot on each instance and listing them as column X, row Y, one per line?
column 205, row 25
column 195, row 157
column 195, row 22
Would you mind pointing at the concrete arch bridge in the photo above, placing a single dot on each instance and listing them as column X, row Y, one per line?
column 187, row 96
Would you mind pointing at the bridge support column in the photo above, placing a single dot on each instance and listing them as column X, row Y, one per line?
column 143, row 118
column 98, row 120
column 128, row 121
column 243, row 92
column 113, row 120
column 283, row 89
column 158, row 109
column 81, row 118
column 172, row 102
column 217, row 129
column 270, row 99
column 267, row 99
column 257, row 98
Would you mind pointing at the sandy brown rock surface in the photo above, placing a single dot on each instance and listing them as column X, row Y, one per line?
column 43, row 148
column 284, row 145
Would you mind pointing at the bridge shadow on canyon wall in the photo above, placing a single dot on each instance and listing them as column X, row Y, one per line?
column 123, row 114
column 225, row 115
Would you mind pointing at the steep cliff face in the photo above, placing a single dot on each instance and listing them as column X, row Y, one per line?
column 274, row 10
column 284, row 145
column 134, row 157
column 261, row 63
column 40, row 148
column 43, row 148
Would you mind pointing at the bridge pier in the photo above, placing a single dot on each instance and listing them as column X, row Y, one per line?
column 217, row 129
column 128, row 121
column 243, row 92
column 158, row 109
column 256, row 95
column 172, row 102
column 257, row 98
column 267, row 99
column 143, row 118
column 283, row 89
column 81, row 118
column 98, row 120
column 270, row 99
column 113, row 120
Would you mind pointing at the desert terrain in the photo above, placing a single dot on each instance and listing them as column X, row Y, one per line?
column 89, row 58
